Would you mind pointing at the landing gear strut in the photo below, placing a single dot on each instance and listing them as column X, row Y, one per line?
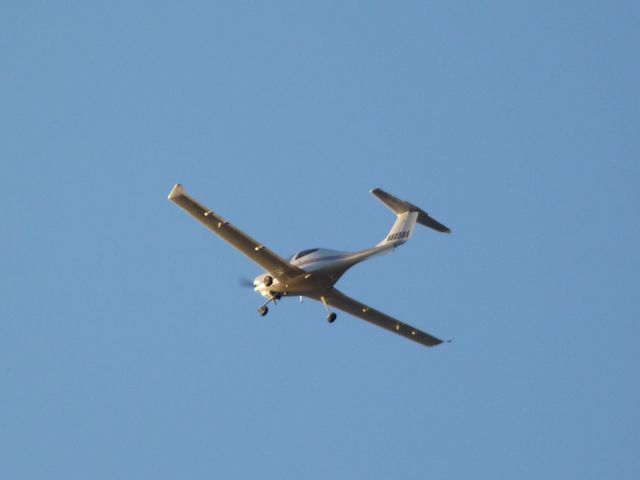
column 332, row 316
column 263, row 309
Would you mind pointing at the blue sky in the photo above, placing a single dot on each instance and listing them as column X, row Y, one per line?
column 127, row 349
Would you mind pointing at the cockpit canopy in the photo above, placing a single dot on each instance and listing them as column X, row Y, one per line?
column 303, row 253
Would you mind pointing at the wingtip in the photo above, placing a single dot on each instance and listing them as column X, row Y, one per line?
column 176, row 191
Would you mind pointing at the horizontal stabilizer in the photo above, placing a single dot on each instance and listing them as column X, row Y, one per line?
column 427, row 221
column 398, row 207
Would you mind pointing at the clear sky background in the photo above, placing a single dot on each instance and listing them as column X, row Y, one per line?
column 127, row 348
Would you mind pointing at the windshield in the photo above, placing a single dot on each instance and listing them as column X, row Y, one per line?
column 304, row 252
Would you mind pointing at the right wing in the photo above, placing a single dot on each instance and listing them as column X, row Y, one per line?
column 271, row 262
column 337, row 299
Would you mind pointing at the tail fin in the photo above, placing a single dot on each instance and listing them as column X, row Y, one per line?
column 407, row 217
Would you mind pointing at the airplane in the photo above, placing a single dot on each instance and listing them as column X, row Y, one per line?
column 312, row 273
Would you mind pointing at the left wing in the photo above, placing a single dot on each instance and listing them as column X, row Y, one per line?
column 337, row 299
column 271, row 262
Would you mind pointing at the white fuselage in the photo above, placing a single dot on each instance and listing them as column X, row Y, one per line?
column 323, row 268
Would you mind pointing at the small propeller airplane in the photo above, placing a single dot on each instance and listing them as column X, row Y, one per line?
column 313, row 273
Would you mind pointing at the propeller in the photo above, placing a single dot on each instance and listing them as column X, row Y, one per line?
column 245, row 282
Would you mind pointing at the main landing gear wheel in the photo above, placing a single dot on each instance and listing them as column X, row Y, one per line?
column 331, row 317
column 267, row 281
column 263, row 310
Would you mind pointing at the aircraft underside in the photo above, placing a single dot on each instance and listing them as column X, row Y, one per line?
column 313, row 272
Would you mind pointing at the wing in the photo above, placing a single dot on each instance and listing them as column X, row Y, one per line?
column 272, row 263
column 338, row 300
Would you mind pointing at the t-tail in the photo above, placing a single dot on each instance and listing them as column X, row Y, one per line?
column 407, row 215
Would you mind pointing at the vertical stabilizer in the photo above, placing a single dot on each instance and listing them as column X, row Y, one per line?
column 401, row 230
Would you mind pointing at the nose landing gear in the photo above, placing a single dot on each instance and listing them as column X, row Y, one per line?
column 263, row 309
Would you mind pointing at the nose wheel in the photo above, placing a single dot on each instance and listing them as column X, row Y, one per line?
column 263, row 310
